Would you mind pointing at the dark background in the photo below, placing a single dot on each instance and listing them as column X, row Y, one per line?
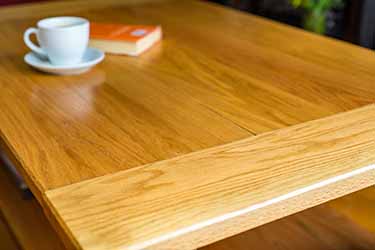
column 354, row 22
column 10, row 2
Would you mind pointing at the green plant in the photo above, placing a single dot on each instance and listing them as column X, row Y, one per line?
column 316, row 12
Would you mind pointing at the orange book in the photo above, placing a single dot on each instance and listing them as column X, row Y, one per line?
column 123, row 39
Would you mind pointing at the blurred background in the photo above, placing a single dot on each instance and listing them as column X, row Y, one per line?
column 349, row 20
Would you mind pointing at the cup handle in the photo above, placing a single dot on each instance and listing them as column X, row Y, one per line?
column 30, row 44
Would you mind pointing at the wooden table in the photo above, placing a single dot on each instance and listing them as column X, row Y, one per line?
column 231, row 122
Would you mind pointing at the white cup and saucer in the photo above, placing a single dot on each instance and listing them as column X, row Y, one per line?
column 63, row 46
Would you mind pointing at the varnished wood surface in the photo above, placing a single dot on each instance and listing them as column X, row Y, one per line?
column 25, row 218
column 214, row 79
column 199, row 198
column 188, row 93
column 323, row 227
column 317, row 228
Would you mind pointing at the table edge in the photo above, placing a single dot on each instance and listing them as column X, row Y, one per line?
column 229, row 224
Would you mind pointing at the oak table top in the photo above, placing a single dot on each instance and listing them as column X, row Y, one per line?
column 230, row 122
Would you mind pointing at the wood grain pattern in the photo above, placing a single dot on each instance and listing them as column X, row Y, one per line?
column 25, row 218
column 205, row 85
column 186, row 94
column 199, row 198
column 322, row 227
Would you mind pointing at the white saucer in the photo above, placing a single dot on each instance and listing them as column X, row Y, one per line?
column 90, row 58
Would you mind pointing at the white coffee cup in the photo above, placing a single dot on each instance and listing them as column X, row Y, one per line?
column 63, row 40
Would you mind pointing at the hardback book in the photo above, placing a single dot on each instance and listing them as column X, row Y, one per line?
column 123, row 39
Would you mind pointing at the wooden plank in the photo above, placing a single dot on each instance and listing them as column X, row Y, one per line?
column 260, row 84
column 186, row 94
column 318, row 228
column 330, row 229
column 25, row 218
column 205, row 85
column 199, row 198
